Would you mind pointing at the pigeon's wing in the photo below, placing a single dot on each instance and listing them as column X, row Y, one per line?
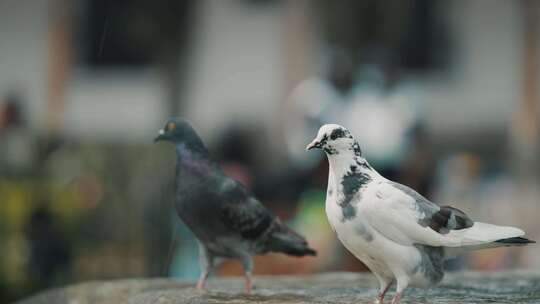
column 404, row 216
column 241, row 212
column 442, row 219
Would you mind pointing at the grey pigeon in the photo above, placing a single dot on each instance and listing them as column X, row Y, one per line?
column 398, row 234
column 226, row 219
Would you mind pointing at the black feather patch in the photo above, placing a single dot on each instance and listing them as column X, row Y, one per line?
column 515, row 241
column 446, row 219
column 339, row 133
column 356, row 149
column 352, row 182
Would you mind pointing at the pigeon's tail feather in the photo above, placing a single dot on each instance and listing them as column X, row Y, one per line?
column 283, row 239
column 483, row 236
column 482, row 233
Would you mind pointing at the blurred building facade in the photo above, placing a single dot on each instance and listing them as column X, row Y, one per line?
column 246, row 44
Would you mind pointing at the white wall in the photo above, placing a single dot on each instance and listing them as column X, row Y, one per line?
column 115, row 105
column 235, row 65
column 484, row 83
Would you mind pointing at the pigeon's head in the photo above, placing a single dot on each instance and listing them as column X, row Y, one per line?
column 332, row 139
column 178, row 130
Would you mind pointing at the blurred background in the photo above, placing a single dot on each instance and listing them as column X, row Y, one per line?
column 442, row 95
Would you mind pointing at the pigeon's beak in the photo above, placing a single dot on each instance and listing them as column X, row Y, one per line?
column 314, row 144
column 161, row 133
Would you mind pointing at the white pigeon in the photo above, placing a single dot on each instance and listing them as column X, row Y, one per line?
column 396, row 232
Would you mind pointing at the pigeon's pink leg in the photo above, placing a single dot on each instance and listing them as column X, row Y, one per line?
column 202, row 280
column 247, row 263
column 249, row 282
column 402, row 282
column 380, row 297
column 206, row 261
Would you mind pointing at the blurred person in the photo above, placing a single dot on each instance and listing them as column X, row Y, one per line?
column 417, row 169
column 383, row 112
column 235, row 154
column 17, row 153
column 49, row 256
column 373, row 101
column 313, row 100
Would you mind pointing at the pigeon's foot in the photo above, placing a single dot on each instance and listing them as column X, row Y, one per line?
column 397, row 298
column 200, row 286
column 379, row 299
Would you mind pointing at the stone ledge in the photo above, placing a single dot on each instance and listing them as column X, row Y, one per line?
column 338, row 287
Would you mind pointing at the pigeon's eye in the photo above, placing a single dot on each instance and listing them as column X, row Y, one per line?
column 171, row 126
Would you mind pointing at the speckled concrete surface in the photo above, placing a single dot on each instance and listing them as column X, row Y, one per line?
column 465, row 287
